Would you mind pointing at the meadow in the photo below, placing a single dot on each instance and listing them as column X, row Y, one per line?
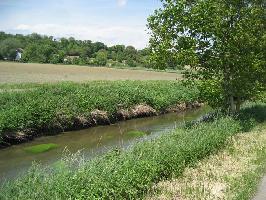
column 29, row 109
column 132, row 173
column 11, row 72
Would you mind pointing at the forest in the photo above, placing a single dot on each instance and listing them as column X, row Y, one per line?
column 36, row 48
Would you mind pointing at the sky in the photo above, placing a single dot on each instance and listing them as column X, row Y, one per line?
column 109, row 21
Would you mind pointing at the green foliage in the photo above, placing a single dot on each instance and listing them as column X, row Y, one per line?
column 222, row 43
column 39, row 54
column 57, row 58
column 101, row 58
column 131, row 63
column 8, row 48
column 44, row 49
column 57, row 106
column 211, row 92
column 41, row 148
column 129, row 174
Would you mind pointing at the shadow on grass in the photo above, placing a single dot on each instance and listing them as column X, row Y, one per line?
column 251, row 116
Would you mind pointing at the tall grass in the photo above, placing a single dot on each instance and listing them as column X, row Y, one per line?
column 233, row 173
column 125, row 175
column 130, row 174
column 50, row 106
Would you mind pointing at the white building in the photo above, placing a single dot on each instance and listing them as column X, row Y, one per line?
column 18, row 55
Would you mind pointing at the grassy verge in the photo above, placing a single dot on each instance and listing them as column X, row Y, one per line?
column 177, row 71
column 65, row 106
column 231, row 174
column 130, row 174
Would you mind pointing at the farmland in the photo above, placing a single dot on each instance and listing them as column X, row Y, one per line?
column 11, row 72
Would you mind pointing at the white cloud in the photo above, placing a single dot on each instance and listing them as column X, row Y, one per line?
column 22, row 27
column 109, row 34
column 121, row 3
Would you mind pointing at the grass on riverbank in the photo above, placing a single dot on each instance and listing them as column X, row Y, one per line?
column 64, row 106
column 231, row 174
column 130, row 174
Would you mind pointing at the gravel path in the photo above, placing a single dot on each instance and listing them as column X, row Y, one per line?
column 261, row 194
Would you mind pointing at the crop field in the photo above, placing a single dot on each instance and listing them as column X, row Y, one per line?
column 40, row 73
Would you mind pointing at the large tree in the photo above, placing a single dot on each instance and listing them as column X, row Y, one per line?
column 221, row 42
column 8, row 48
column 40, row 53
column 101, row 58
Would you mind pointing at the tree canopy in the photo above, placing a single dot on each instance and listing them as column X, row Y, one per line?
column 222, row 43
column 8, row 48
column 47, row 49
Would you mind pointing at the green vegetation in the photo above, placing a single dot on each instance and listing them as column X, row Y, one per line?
column 233, row 173
column 41, row 148
column 61, row 106
column 222, row 43
column 8, row 48
column 43, row 49
column 136, row 133
column 130, row 174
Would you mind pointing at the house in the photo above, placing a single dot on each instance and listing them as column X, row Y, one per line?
column 18, row 54
column 70, row 58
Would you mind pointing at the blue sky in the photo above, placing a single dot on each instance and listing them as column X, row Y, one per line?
column 108, row 21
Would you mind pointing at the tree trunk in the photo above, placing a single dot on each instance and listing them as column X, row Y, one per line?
column 238, row 104
column 232, row 105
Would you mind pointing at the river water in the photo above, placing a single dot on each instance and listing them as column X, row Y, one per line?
column 93, row 141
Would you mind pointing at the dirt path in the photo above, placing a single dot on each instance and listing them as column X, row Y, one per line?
column 261, row 194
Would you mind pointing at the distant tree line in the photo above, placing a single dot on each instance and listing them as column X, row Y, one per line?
column 46, row 49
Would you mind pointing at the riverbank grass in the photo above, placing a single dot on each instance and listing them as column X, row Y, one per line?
column 125, row 174
column 51, row 108
column 130, row 174
column 233, row 173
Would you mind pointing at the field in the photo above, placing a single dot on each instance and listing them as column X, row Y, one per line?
column 30, row 72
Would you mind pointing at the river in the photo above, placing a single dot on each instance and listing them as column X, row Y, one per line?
column 93, row 141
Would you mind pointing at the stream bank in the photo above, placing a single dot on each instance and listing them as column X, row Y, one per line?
column 96, row 117
column 93, row 141
column 49, row 109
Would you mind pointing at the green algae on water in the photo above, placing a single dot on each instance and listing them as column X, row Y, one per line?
column 41, row 148
column 136, row 133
